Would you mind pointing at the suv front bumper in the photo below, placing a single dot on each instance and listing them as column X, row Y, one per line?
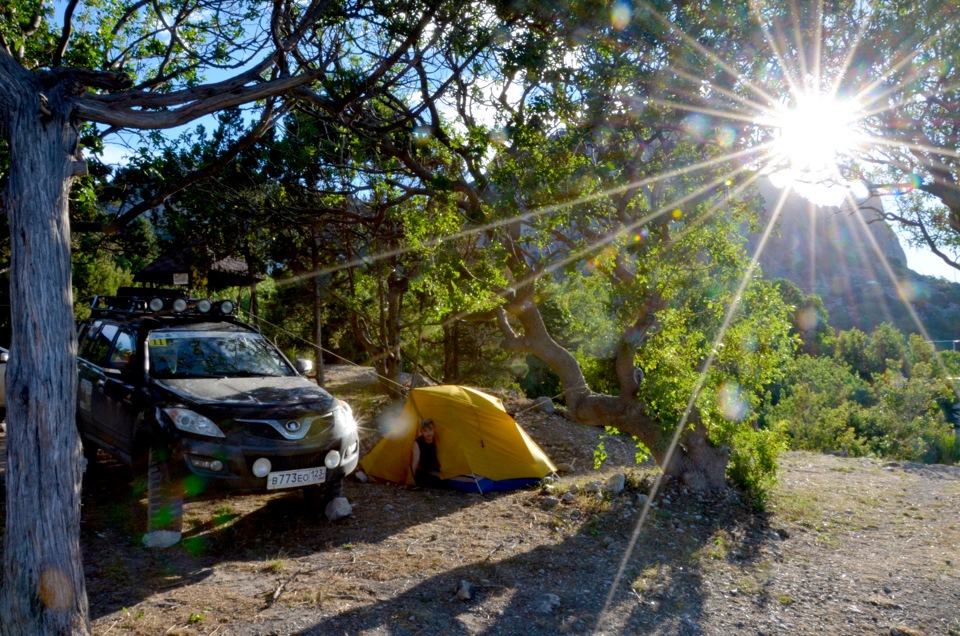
column 196, row 456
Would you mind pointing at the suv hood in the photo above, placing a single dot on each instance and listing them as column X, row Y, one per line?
column 250, row 392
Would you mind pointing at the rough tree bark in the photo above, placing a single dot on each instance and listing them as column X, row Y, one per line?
column 43, row 587
column 695, row 461
column 317, row 315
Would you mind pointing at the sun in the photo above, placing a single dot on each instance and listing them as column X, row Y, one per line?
column 811, row 139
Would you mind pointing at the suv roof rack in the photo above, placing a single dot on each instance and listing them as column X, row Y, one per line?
column 159, row 302
column 160, row 292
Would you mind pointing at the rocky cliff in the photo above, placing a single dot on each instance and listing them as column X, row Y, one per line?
column 847, row 257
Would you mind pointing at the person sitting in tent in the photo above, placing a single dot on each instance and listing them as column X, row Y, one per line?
column 424, row 463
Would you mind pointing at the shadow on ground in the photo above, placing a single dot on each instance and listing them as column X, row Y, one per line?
column 563, row 587
column 120, row 572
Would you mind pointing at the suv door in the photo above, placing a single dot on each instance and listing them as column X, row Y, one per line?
column 115, row 405
column 105, row 405
column 91, row 357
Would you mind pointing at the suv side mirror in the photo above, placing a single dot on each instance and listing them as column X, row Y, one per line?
column 4, row 356
column 303, row 366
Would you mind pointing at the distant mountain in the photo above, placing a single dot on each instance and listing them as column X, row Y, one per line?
column 839, row 254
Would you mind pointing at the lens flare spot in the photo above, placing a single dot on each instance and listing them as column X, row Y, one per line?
column 807, row 319
column 56, row 589
column 195, row 546
column 193, row 485
column 726, row 136
column 908, row 291
column 421, row 134
column 391, row 423
column 498, row 136
column 696, row 126
column 731, row 402
column 620, row 15
column 501, row 35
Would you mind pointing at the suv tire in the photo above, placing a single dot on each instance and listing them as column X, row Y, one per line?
column 318, row 497
column 164, row 502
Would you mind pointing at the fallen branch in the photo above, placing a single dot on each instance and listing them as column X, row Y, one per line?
column 280, row 587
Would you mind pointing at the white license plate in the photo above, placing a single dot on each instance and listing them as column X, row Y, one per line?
column 296, row 478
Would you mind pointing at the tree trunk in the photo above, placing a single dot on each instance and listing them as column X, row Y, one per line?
column 693, row 459
column 391, row 362
column 255, row 304
column 317, row 311
column 451, row 350
column 43, row 588
column 318, row 328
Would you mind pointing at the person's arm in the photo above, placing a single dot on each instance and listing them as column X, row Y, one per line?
column 416, row 458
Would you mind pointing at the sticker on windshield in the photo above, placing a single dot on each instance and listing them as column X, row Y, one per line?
column 158, row 342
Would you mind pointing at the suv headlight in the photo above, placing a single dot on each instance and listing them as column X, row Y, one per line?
column 343, row 415
column 192, row 422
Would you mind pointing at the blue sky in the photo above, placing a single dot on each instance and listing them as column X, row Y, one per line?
column 924, row 262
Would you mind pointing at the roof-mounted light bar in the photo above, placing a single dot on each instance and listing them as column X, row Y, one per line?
column 163, row 303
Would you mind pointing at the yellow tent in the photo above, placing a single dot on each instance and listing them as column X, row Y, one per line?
column 476, row 438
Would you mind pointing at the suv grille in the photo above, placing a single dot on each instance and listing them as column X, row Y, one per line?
column 293, row 462
column 244, row 431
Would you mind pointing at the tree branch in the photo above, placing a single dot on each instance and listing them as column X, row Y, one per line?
column 65, row 34
column 118, row 110
column 267, row 121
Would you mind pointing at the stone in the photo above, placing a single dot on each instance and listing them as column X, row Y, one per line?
column 338, row 509
column 548, row 604
column 567, row 498
column 160, row 539
column 545, row 404
column 361, row 476
column 642, row 499
column 549, row 502
column 616, row 483
column 465, row 590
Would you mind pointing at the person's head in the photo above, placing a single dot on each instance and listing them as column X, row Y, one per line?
column 427, row 430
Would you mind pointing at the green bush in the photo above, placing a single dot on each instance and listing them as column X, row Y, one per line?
column 753, row 463
column 943, row 447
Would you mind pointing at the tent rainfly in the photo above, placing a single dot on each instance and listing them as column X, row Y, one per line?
column 479, row 446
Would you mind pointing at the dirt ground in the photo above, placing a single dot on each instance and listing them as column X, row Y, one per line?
column 849, row 546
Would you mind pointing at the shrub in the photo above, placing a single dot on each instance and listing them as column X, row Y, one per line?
column 753, row 463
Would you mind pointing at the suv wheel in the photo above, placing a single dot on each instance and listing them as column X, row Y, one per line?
column 318, row 497
column 164, row 502
column 90, row 457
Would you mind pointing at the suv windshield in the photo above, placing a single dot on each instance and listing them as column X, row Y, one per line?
column 213, row 354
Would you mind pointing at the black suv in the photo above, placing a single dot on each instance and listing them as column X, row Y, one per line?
column 188, row 395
